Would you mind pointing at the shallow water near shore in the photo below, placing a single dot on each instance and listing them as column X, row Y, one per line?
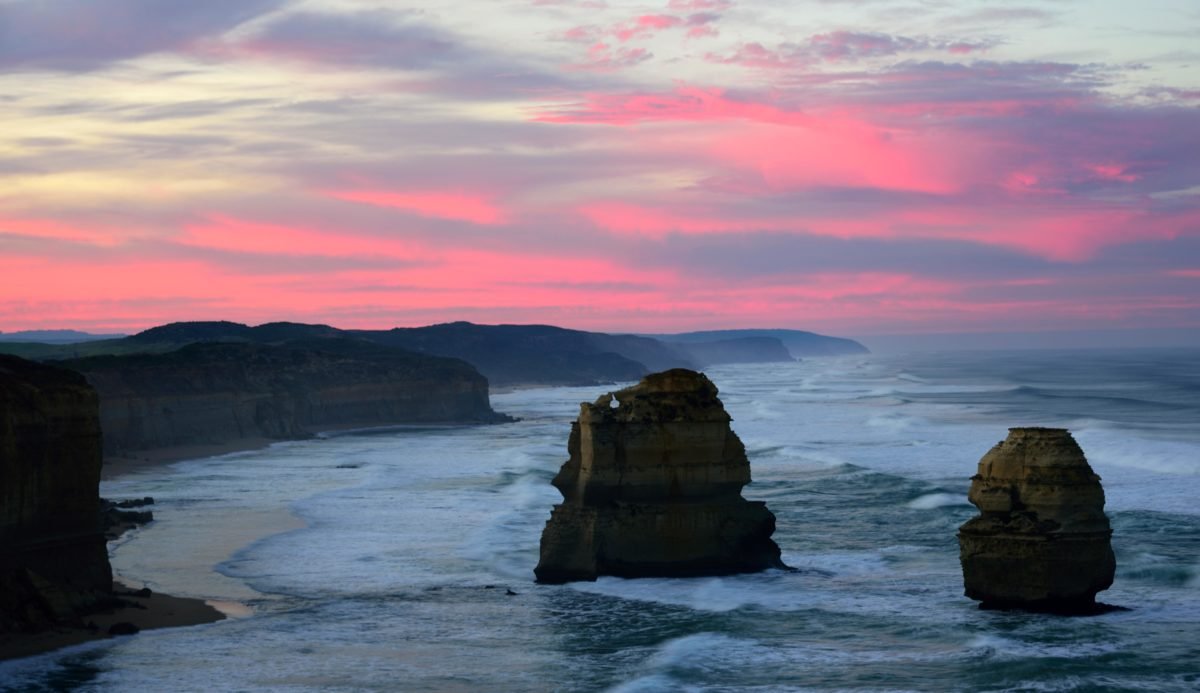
column 402, row 560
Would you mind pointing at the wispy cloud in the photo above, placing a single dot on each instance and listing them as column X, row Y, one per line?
column 673, row 164
column 80, row 35
column 843, row 47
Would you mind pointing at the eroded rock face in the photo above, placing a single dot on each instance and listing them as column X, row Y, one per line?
column 53, row 559
column 1042, row 541
column 208, row 393
column 653, row 488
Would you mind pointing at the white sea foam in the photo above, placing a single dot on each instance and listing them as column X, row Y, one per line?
column 385, row 582
column 936, row 500
column 996, row 647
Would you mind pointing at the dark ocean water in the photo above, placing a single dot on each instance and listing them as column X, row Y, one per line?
column 381, row 562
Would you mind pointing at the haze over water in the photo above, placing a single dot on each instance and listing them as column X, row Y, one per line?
column 384, row 561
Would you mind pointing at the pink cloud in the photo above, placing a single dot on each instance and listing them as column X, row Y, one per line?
column 603, row 57
column 625, row 218
column 223, row 232
column 788, row 149
column 842, row 150
column 1112, row 171
column 700, row 5
column 683, row 104
column 439, row 204
column 53, row 229
column 841, row 47
column 1040, row 230
column 581, row 34
column 755, row 55
column 850, row 45
column 646, row 25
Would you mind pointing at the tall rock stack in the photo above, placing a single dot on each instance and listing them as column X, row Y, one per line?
column 1041, row 541
column 653, row 488
column 53, row 558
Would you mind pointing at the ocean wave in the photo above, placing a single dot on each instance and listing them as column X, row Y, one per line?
column 931, row 501
column 999, row 648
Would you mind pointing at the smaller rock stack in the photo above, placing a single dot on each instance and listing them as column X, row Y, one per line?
column 1042, row 541
column 653, row 488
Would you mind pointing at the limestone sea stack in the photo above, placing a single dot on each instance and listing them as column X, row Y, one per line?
column 653, row 489
column 1042, row 541
column 53, row 558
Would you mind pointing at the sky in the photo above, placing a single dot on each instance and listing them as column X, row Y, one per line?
column 850, row 167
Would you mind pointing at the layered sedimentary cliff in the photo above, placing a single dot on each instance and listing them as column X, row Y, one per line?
column 217, row 392
column 653, row 488
column 1042, row 541
column 53, row 560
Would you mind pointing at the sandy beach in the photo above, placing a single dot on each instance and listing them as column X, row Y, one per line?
column 144, row 612
column 120, row 465
column 163, row 610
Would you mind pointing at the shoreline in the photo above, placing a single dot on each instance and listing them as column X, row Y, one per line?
column 130, row 604
column 146, row 611
column 151, row 610
column 121, row 465
column 116, row 466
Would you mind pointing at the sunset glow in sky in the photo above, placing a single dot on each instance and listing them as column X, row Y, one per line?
column 851, row 167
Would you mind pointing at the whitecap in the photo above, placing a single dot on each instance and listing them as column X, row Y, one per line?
column 936, row 500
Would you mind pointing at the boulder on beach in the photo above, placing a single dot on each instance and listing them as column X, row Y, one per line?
column 1041, row 541
column 653, row 488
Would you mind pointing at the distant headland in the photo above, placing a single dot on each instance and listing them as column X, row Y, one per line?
column 189, row 389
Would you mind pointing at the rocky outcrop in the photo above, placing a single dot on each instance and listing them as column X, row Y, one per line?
column 653, row 488
column 53, row 560
column 210, row 393
column 1042, row 541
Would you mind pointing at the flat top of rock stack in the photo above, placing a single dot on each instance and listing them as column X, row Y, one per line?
column 675, row 395
column 1042, row 471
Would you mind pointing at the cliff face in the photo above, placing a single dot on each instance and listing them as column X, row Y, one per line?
column 653, row 488
column 1042, row 540
column 216, row 392
column 53, row 559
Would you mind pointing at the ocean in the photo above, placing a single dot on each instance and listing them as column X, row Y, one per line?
column 402, row 560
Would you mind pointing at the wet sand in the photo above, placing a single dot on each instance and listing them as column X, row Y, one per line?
column 117, row 466
column 163, row 610
column 147, row 613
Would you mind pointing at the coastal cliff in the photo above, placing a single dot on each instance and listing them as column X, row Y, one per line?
column 507, row 355
column 1041, row 541
column 653, row 488
column 796, row 343
column 214, row 392
column 53, row 559
column 536, row 354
